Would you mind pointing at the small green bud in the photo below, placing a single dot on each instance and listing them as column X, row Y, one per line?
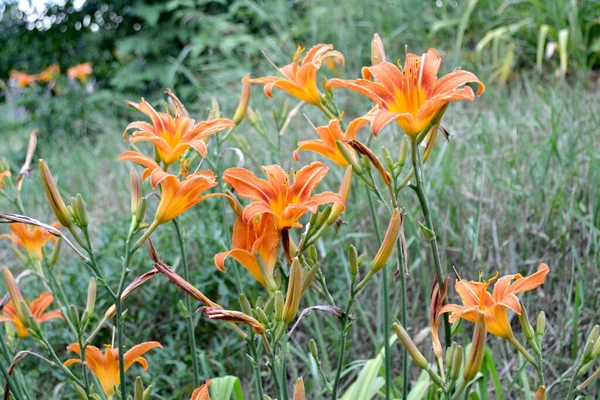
column 404, row 144
column 353, row 260
column 457, row 360
column 74, row 315
column 138, row 392
column 450, row 353
column 81, row 211
column 183, row 309
column 541, row 325
column 525, row 324
column 245, row 305
column 141, row 210
column 388, row 159
column 350, row 157
column 259, row 303
column 80, row 392
column 312, row 345
column 311, row 253
column 279, row 305
column 262, row 317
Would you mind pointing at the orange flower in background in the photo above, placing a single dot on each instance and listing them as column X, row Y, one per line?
column 37, row 308
column 411, row 95
column 285, row 201
column 50, row 73
column 329, row 135
column 22, row 78
column 172, row 135
column 202, row 393
column 32, row 238
column 300, row 77
column 106, row 366
column 495, row 306
column 258, row 235
column 80, row 72
column 3, row 175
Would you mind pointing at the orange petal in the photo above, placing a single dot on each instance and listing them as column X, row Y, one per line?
column 137, row 351
column 455, row 79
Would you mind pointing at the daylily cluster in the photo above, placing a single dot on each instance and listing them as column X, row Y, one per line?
column 80, row 72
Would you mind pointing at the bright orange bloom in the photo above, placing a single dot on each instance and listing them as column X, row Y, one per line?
column 49, row 74
column 80, row 72
column 22, row 78
column 106, row 366
column 173, row 135
column 202, row 393
column 4, row 174
column 285, row 201
column 411, row 95
column 37, row 308
column 177, row 196
column 32, row 238
column 258, row 235
column 300, row 77
column 330, row 134
column 495, row 306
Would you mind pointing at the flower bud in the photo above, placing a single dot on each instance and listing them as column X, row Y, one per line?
column 588, row 349
column 475, row 357
column 387, row 157
column 245, row 305
column 389, row 242
column 29, row 321
column 240, row 112
column 349, row 156
column 377, row 51
column 80, row 392
column 309, row 276
column 344, row 191
column 299, row 393
column 410, row 346
column 15, row 294
column 259, row 302
column 311, row 253
column 456, row 365
column 541, row 325
column 368, row 153
column 262, row 317
column 449, row 353
column 136, row 190
column 141, row 210
column 312, row 345
column 81, row 211
column 74, row 315
column 56, row 251
column 404, row 144
column 53, row 195
column 91, row 296
column 353, row 260
column 215, row 109
column 525, row 324
column 265, row 272
column 278, row 305
column 138, row 391
column 540, row 394
column 294, row 292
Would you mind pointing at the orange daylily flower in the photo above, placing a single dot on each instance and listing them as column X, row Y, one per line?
column 22, row 78
column 411, row 95
column 3, row 175
column 172, row 135
column 49, row 74
column 330, row 134
column 32, row 238
column 284, row 200
column 106, row 366
column 202, row 393
column 300, row 77
column 495, row 306
column 177, row 196
column 37, row 308
column 258, row 235
column 80, row 72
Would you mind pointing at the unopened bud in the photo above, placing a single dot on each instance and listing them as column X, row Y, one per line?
column 138, row 391
column 525, row 324
column 353, row 260
column 265, row 272
column 410, row 346
column 277, row 276
column 74, row 315
column 404, row 144
column 15, row 294
column 81, row 211
column 323, row 216
column 377, row 51
column 349, row 156
column 259, row 302
column 215, row 109
column 294, row 292
column 361, row 260
column 240, row 112
column 456, row 365
column 311, row 253
column 56, row 202
column 262, row 317
column 136, row 190
column 387, row 157
column 312, row 345
column 541, row 325
column 309, row 276
column 344, row 191
column 278, row 305
column 56, row 251
column 368, row 153
column 475, row 357
column 141, row 210
column 540, row 394
column 29, row 321
column 389, row 242
column 80, row 392
column 90, row 304
column 184, row 310
column 245, row 305
column 588, row 349
column 450, row 353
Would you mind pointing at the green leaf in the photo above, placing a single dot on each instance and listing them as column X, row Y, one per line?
column 226, row 388
column 429, row 234
column 420, row 388
column 150, row 14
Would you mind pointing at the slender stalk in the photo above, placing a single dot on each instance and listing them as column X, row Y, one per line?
column 119, row 311
column 523, row 351
column 15, row 385
column 256, row 366
column 424, row 203
column 341, row 355
column 283, row 357
column 403, row 317
column 188, row 306
column 461, row 388
column 273, row 369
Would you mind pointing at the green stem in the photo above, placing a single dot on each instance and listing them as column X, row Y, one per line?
column 14, row 384
column 341, row 355
column 256, row 366
column 523, row 351
column 461, row 388
column 273, row 369
column 424, row 203
column 188, row 306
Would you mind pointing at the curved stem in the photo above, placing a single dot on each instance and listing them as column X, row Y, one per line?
column 188, row 305
column 523, row 351
column 424, row 203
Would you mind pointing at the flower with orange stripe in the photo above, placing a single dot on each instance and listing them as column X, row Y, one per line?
column 299, row 78
column 22, row 78
column 172, row 135
column 412, row 95
column 257, row 236
column 32, row 238
column 329, row 135
column 37, row 308
column 284, row 200
column 81, row 72
column 476, row 299
column 106, row 366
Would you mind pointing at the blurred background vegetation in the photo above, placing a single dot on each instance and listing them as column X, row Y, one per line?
column 516, row 185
